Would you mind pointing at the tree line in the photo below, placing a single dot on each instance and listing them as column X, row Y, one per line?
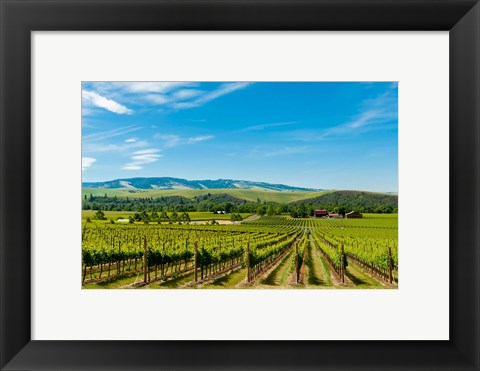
column 223, row 202
column 158, row 217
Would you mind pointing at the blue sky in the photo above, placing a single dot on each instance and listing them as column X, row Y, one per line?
column 338, row 135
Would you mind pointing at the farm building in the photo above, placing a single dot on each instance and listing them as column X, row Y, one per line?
column 123, row 221
column 334, row 215
column 321, row 213
column 353, row 215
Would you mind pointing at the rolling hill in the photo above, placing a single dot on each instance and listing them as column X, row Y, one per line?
column 351, row 200
column 236, row 191
column 244, row 194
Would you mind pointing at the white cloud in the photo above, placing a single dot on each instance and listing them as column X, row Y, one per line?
column 201, row 138
column 153, row 87
column 86, row 124
column 146, row 151
column 265, row 126
column 132, row 167
column 365, row 118
column 109, row 147
column 102, row 141
column 157, row 99
column 172, row 140
column 186, row 94
column 108, row 104
column 110, row 133
column 286, row 151
column 87, row 162
column 88, row 111
column 224, row 89
column 177, row 95
column 379, row 113
column 142, row 157
column 146, row 159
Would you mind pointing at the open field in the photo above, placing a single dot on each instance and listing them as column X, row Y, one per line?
column 195, row 215
column 263, row 253
column 245, row 194
column 393, row 216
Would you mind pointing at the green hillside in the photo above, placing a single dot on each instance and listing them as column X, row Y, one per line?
column 358, row 200
column 245, row 194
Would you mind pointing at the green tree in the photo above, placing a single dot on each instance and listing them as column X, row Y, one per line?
column 144, row 216
column 236, row 217
column 261, row 210
column 228, row 207
column 100, row 215
column 163, row 216
column 271, row 210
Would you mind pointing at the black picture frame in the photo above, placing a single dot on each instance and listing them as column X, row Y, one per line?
column 18, row 18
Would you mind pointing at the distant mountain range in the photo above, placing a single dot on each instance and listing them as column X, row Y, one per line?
column 165, row 183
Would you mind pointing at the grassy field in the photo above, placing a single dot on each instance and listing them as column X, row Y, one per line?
column 193, row 215
column 380, row 216
column 246, row 194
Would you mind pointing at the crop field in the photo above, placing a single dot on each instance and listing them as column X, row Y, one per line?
column 258, row 253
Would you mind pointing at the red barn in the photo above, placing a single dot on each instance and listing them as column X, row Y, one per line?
column 321, row 213
column 353, row 215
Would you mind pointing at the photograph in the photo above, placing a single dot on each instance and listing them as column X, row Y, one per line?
column 239, row 185
column 286, row 155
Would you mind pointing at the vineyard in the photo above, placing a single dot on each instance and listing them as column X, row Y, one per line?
column 268, row 252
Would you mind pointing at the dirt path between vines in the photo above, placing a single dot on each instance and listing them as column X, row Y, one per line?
column 318, row 270
column 251, row 218
column 277, row 275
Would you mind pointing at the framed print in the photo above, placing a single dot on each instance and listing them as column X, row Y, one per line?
column 283, row 169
